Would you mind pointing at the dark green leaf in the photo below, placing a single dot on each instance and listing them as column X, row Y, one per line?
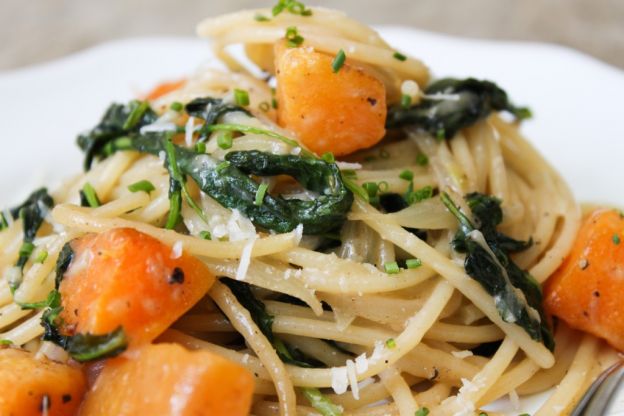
column 492, row 267
column 101, row 140
column 459, row 104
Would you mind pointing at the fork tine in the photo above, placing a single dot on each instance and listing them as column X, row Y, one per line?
column 597, row 398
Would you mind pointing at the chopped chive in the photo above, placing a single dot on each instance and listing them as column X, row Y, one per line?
column 413, row 263
column 200, row 147
column 423, row 411
column 383, row 186
column 241, row 97
column 261, row 18
column 264, row 106
column 41, row 257
column 225, row 140
column 328, row 157
column 399, row 56
column 3, row 222
column 135, row 115
column 321, row 402
column 349, row 173
column 293, row 38
column 223, row 165
column 391, row 267
column 354, row 187
column 407, row 175
column 260, row 193
column 292, row 6
column 371, row 188
column 390, row 343
column 422, row 160
column 205, row 235
column 419, row 195
column 483, row 414
column 406, row 101
column 144, row 185
column 88, row 196
column 26, row 249
column 616, row 239
column 176, row 106
column 6, row 342
column 338, row 61
column 440, row 134
column 274, row 103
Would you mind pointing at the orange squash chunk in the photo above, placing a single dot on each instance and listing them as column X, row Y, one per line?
column 587, row 291
column 29, row 385
column 167, row 379
column 126, row 278
column 329, row 112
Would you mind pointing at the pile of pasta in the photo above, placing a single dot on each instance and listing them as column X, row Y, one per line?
column 374, row 319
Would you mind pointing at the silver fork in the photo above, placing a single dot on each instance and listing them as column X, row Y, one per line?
column 599, row 398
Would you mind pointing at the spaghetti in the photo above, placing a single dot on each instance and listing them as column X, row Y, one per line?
column 382, row 340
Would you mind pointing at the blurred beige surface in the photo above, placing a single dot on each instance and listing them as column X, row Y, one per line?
column 33, row 31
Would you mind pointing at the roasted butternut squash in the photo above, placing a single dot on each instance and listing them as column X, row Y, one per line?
column 32, row 387
column 338, row 112
column 168, row 380
column 587, row 291
column 126, row 278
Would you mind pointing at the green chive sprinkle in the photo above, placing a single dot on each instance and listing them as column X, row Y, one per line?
column 441, row 134
column 293, row 37
column 176, row 106
column 419, row 195
column 390, row 343
column 392, row 267
column 338, row 61
column 223, row 165
column 241, row 97
column 616, row 239
column 225, row 140
column 90, row 195
column 200, row 147
column 413, row 263
column 3, row 222
column 406, row 101
column 260, row 193
column 483, row 414
column 371, row 188
column 422, row 160
column 261, row 18
column 423, row 411
column 6, row 342
column 274, row 103
column 41, row 257
column 144, row 185
column 291, row 6
column 135, row 115
column 26, row 249
column 328, row 157
column 407, row 175
column 205, row 235
column 399, row 56
column 383, row 186
column 264, row 106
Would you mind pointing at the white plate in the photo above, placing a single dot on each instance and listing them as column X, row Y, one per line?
column 577, row 103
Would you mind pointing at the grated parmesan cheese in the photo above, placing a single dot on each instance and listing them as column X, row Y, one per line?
column 462, row 354
column 298, row 234
column 188, row 134
column 245, row 259
column 347, row 165
column 176, row 250
column 340, row 382
column 361, row 364
column 351, row 373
